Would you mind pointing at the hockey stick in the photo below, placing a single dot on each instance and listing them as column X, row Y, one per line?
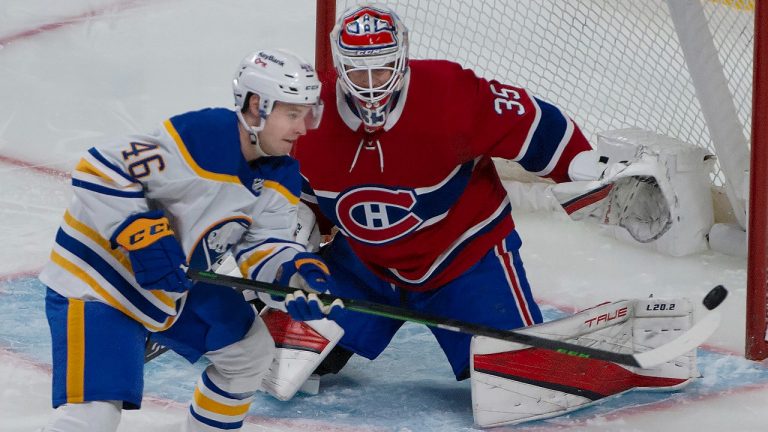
column 153, row 349
column 689, row 340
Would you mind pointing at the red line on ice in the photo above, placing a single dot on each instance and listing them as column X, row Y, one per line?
column 37, row 168
column 68, row 21
column 19, row 274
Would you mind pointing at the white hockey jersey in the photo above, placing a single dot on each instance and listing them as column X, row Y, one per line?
column 193, row 169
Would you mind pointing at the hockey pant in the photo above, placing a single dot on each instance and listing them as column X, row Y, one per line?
column 494, row 292
column 98, row 355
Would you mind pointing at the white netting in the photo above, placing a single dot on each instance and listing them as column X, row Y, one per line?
column 609, row 63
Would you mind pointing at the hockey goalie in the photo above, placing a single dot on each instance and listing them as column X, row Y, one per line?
column 513, row 383
column 402, row 165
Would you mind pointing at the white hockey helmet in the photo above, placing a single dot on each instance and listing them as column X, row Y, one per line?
column 370, row 38
column 277, row 75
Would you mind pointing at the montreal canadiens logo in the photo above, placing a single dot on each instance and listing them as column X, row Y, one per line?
column 377, row 215
column 368, row 29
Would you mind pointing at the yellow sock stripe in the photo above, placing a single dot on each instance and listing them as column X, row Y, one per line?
column 254, row 259
column 86, row 167
column 191, row 162
column 213, row 406
column 75, row 351
column 85, row 277
column 282, row 190
column 317, row 262
column 116, row 253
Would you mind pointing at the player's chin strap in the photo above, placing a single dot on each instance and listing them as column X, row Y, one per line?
column 253, row 132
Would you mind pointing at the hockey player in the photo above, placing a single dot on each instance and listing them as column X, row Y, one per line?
column 145, row 207
column 402, row 166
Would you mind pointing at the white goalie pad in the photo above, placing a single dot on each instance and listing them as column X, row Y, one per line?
column 654, row 191
column 513, row 383
column 301, row 347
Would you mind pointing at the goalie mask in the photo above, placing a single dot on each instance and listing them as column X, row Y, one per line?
column 276, row 76
column 370, row 53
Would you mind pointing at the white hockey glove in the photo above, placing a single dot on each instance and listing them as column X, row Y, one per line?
column 653, row 190
column 513, row 383
column 628, row 195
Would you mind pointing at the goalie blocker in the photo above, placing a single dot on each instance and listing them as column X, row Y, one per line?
column 513, row 383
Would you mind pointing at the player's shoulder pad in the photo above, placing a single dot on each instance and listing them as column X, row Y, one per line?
column 281, row 169
column 210, row 137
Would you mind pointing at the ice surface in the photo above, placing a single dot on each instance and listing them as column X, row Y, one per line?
column 75, row 73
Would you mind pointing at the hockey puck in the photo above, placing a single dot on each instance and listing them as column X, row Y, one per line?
column 714, row 297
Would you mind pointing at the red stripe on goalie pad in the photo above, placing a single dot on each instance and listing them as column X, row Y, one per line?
column 590, row 378
column 291, row 334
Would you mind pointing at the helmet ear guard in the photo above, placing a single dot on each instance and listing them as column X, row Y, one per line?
column 370, row 39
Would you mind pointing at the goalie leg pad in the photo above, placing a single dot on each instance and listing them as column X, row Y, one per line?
column 301, row 347
column 656, row 322
column 512, row 383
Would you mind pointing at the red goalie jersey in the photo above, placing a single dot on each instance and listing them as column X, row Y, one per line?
column 420, row 200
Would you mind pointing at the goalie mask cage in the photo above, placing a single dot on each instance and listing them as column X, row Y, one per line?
column 694, row 70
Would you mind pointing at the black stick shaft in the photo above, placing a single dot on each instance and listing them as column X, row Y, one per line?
column 403, row 314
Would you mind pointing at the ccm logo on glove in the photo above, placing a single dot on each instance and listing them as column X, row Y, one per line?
column 143, row 232
column 157, row 260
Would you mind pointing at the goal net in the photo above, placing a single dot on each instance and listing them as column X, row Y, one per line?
column 681, row 68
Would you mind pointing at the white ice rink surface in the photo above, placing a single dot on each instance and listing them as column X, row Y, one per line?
column 75, row 73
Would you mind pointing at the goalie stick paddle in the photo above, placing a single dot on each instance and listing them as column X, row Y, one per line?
column 689, row 340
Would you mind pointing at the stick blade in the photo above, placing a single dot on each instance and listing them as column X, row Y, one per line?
column 690, row 340
column 695, row 336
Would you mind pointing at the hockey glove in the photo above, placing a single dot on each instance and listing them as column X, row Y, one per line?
column 155, row 254
column 303, row 307
column 307, row 272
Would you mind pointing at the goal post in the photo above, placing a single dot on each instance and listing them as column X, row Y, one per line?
column 757, row 257
column 681, row 68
